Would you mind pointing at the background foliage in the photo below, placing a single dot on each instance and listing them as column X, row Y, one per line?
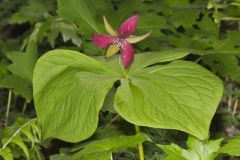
column 28, row 29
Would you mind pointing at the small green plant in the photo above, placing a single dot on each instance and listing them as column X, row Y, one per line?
column 202, row 150
column 24, row 135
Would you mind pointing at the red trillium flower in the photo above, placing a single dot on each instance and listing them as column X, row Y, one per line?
column 119, row 40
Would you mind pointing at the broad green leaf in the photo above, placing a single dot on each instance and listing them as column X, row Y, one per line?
column 108, row 145
column 232, row 147
column 180, row 86
column 69, row 91
column 81, row 12
column 171, row 96
column 146, row 59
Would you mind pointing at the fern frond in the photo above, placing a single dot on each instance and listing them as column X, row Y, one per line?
column 35, row 129
column 27, row 132
column 18, row 141
column 17, row 136
column 6, row 153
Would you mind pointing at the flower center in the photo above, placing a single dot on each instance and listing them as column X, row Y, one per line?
column 119, row 41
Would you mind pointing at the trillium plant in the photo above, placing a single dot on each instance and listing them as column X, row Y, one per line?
column 160, row 90
column 120, row 40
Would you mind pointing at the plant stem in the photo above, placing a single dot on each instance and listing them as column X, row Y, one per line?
column 140, row 146
column 8, row 106
column 112, row 120
column 24, row 107
column 235, row 107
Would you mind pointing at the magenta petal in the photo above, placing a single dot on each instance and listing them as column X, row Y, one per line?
column 128, row 27
column 102, row 40
column 127, row 54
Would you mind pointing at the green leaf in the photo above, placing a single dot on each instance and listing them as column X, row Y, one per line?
column 197, row 150
column 173, row 151
column 184, row 17
column 206, row 150
column 39, row 32
column 180, row 86
column 18, row 141
column 176, row 3
column 69, row 91
column 27, row 132
column 223, row 60
column 12, row 137
column 20, row 81
column 225, row 65
column 18, row 85
column 34, row 11
column 171, row 96
column 81, row 12
column 59, row 157
column 68, row 31
column 23, row 63
column 102, row 155
column 232, row 147
column 106, row 146
column 143, row 60
column 6, row 154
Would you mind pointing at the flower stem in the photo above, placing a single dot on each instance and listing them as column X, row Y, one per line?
column 140, row 146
